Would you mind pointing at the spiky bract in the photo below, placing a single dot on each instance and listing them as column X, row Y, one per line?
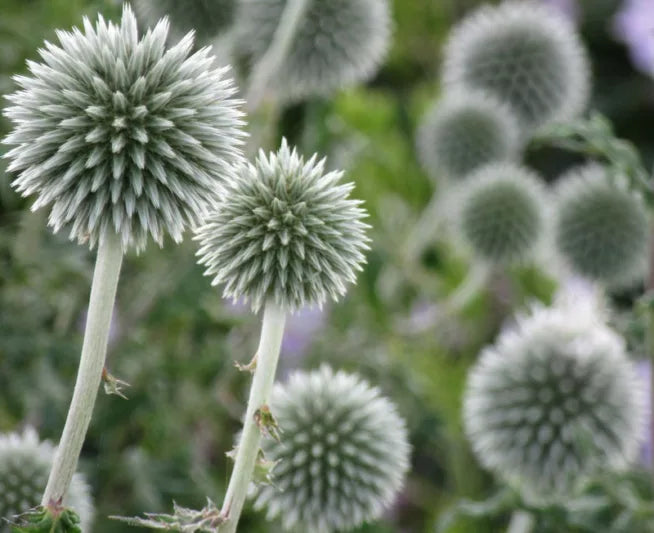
column 601, row 227
column 526, row 54
column 24, row 467
column 285, row 231
column 463, row 132
column 554, row 401
column 119, row 134
column 343, row 452
column 501, row 212
column 207, row 18
column 337, row 44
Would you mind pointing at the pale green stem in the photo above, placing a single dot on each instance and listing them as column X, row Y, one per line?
column 89, row 375
column 267, row 356
column 650, row 339
column 426, row 228
column 269, row 64
column 521, row 522
column 473, row 283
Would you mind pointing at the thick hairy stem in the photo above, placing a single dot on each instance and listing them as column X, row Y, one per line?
column 89, row 374
column 650, row 340
column 267, row 356
column 521, row 522
column 269, row 64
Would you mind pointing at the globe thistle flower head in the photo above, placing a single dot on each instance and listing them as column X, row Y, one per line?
column 524, row 53
column 208, row 18
column 501, row 212
column 554, row 401
column 463, row 132
column 338, row 43
column 342, row 455
column 24, row 467
column 285, row 231
column 601, row 227
column 116, row 133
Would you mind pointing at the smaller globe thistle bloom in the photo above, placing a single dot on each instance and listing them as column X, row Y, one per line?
column 462, row 132
column 524, row 53
column 501, row 212
column 285, row 231
column 601, row 227
column 208, row 18
column 24, row 466
column 119, row 134
column 339, row 43
column 553, row 402
column 342, row 456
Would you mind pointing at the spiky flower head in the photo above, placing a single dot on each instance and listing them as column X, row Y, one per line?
column 463, row 132
column 526, row 54
column 208, row 18
column 553, row 401
column 285, row 231
column 118, row 134
column 24, row 467
column 338, row 43
column 343, row 452
column 601, row 226
column 501, row 212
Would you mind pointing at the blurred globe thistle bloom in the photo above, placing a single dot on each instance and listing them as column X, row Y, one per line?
column 343, row 453
column 501, row 212
column 464, row 131
column 601, row 227
column 116, row 133
column 285, row 231
column 554, row 401
column 24, row 466
column 208, row 18
column 633, row 24
column 525, row 54
column 337, row 43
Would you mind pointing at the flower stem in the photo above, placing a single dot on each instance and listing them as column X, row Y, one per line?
column 94, row 349
column 270, row 343
column 521, row 522
column 269, row 63
column 649, row 338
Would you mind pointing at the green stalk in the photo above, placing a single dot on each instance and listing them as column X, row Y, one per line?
column 649, row 338
column 94, row 349
column 521, row 522
column 268, row 65
column 267, row 357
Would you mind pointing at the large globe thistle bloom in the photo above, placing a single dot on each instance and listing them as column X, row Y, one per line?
column 207, row 18
column 524, row 53
column 501, row 212
column 343, row 452
column 553, row 401
column 463, row 132
column 602, row 226
column 338, row 43
column 118, row 134
column 285, row 231
column 24, row 466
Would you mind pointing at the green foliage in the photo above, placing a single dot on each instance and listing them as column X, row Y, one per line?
column 51, row 519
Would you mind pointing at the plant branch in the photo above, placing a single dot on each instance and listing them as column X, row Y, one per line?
column 521, row 522
column 272, row 331
column 94, row 349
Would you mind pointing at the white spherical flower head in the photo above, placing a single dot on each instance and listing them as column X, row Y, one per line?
column 524, row 53
column 118, row 134
column 343, row 453
column 601, row 227
column 463, row 132
column 24, row 467
column 285, row 231
column 501, row 212
column 337, row 44
column 554, row 401
column 207, row 18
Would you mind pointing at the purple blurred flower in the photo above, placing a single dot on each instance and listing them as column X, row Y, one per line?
column 299, row 331
column 569, row 8
column 634, row 25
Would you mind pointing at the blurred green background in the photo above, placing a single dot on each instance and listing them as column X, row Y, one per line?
column 174, row 339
